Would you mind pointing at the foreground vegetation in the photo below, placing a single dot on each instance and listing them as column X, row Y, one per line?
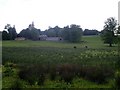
column 36, row 64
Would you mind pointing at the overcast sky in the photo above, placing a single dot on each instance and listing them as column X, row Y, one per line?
column 89, row 14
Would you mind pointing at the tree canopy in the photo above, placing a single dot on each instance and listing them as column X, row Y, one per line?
column 72, row 33
column 32, row 34
column 5, row 35
column 11, row 35
column 90, row 32
column 107, row 33
column 53, row 32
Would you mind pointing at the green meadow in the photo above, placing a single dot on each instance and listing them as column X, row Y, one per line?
column 90, row 41
column 48, row 64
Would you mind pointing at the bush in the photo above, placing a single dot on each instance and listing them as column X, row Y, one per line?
column 98, row 74
column 12, row 65
column 8, row 71
column 36, row 73
column 33, row 73
column 17, row 85
column 66, row 71
column 13, row 83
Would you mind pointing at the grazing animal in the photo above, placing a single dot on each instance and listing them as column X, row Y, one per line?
column 86, row 46
column 74, row 47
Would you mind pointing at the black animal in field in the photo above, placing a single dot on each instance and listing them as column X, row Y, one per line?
column 86, row 46
column 74, row 47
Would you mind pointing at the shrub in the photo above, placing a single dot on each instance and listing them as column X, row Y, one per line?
column 17, row 85
column 33, row 73
column 12, row 65
column 66, row 71
column 98, row 74
column 8, row 71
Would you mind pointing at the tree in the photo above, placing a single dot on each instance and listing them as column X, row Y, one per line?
column 107, row 33
column 5, row 35
column 90, row 32
column 75, row 33
column 72, row 33
column 50, row 32
column 35, row 34
column 53, row 32
column 32, row 34
column 25, row 33
column 11, row 31
column 58, row 31
column 65, row 33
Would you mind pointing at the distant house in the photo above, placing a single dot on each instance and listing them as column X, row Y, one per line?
column 116, row 33
column 54, row 39
column 46, row 38
column 43, row 37
column 20, row 38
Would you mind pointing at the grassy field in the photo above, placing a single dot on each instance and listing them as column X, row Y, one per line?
column 44, row 64
column 90, row 41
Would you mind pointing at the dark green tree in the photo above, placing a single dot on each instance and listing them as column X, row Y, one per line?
column 65, row 33
column 50, row 32
column 72, row 33
column 12, row 31
column 90, row 32
column 32, row 34
column 107, row 33
column 25, row 33
column 5, row 35
column 58, row 31
column 53, row 32
column 75, row 33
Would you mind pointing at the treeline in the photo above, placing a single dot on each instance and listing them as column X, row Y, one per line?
column 71, row 33
column 57, row 31
column 90, row 32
